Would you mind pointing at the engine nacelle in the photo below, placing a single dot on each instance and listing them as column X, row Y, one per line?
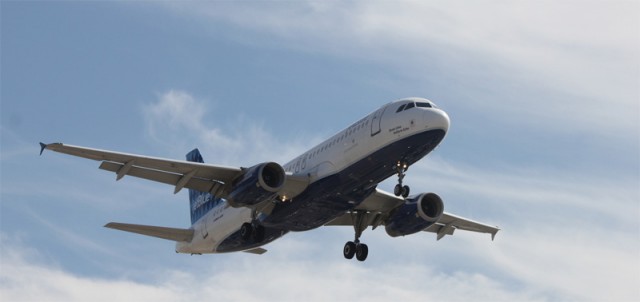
column 415, row 215
column 259, row 183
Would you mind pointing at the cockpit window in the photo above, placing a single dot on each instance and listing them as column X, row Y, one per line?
column 400, row 108
column 409, row 106
column 424, row 105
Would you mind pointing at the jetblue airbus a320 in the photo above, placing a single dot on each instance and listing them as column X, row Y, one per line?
column 334, row 183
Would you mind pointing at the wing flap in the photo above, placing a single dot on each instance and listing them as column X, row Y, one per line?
column 204, row 171
column 371, row 219
column 174, row 234
column 380, row 201
column 460, row 223
column 162, row 177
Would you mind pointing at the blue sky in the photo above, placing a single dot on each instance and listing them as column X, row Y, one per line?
column 544, row 142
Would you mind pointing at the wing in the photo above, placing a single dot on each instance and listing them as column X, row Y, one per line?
column 203, row 177
column 181, row 174
column 380, row 204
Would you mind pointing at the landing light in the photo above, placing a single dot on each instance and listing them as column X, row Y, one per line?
column 404, row 166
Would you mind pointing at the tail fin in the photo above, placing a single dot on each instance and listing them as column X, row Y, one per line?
column 197, row 199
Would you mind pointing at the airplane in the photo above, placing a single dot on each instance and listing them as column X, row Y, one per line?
column 332, row 184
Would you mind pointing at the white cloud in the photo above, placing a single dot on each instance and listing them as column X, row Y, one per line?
column 179, row 122
column 23, row 279
column 570, row 262
column 547, row 247
column 253, row 278
column 564, row 237
column 527, row 266
column 503, row 54
column 523, row 187
column 573, row 237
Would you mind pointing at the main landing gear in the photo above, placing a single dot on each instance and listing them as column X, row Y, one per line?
column 355, row 248
column 252, row 231
column 401, row 169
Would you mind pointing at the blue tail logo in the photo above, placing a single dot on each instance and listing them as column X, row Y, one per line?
column 200, row 202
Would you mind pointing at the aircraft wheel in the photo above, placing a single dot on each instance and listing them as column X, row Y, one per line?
column 405, row 191
column 362, row 251
column 397, row 190
column 246, row 231
column 349, row 250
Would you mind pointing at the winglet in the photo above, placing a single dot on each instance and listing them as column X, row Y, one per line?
column 42, row 147
column 493, row 234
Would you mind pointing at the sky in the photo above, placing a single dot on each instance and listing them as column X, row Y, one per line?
column 544, row 101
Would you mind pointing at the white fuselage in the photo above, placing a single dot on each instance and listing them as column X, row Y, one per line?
column 381, row 128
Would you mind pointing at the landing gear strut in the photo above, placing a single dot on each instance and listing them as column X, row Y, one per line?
column 252, row 230
column 351, row 248
column 401, row 169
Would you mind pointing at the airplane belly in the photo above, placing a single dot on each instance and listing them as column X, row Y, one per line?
column 225, row 224
column 214, row 228
column 332, row 196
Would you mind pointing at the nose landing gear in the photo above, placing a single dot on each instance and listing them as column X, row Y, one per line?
column 400, row 190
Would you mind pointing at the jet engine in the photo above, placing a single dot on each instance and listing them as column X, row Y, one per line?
column 416, row 214
column 259, row 183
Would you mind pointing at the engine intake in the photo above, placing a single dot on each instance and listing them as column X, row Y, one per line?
column 415, row 215
column 259, row 183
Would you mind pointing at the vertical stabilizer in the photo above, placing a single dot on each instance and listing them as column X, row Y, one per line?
column 198, row 200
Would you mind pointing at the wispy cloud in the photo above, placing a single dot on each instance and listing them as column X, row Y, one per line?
column 522, row 187
column 549, row 219
column 577, row 227
column 570, row 262
column 561, row 232
column 25, row 279
column 178, row 121
column 585, row 53
column 524, row 267
column 564, row 237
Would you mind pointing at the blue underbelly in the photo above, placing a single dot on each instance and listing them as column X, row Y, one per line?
column 332, row 196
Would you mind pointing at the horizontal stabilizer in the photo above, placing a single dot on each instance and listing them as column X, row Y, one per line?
column 174, row 234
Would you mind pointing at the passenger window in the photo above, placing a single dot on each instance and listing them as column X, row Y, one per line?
column 400, row 108
column 409, row 106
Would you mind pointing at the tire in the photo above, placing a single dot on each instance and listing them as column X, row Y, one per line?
column 405, row 191
column 349, row 250
column 362, row 251
column 246, row 230
column 397, row 191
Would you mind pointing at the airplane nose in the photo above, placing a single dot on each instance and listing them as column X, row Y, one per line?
column 436, row 119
